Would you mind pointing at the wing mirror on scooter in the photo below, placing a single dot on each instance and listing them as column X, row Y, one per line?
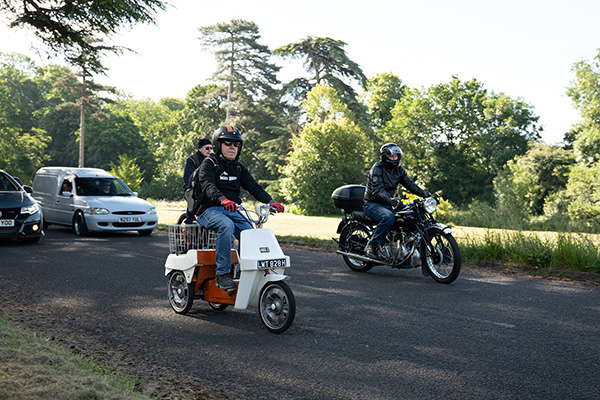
column 262, row 210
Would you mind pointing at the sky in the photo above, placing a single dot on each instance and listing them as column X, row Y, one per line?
column 522, row 48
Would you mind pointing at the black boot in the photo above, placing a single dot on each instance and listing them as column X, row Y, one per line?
column 372, row 250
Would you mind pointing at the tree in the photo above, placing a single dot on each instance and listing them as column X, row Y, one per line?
column 85, row 90
column 585, row 94
column 22, row 143
column 457, row 136
column 329, row 152
column 526, row 181
column 242, row 63
column 327, row 61
column 128, row 171
column 381, row 95
column 64, row 25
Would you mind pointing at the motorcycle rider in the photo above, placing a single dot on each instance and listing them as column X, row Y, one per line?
column 222, row 175
column 383, row 180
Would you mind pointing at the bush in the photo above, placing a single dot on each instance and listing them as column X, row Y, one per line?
column 169, row 187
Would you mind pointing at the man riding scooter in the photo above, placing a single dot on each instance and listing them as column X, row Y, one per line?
column 222, row 176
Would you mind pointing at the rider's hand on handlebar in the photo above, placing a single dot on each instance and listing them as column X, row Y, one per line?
column 277, row 206
column 229, row 205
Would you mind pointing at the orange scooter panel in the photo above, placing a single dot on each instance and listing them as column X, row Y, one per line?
column 205, row 274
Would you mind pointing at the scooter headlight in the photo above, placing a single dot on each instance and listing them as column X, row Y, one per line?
column 262, row 210
column 430, row 205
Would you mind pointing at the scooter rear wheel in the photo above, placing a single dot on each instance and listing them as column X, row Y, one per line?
column 217, row 306
column 181, row 293
column 277, row 306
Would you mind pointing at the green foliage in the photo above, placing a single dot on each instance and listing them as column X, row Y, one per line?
column 457, row 136
column 22, row 143
column 526, row 181
column 327, row 61
column 381, row 95
column 128, row 171
column 167, row 186
column 565, row 251
column 329, row 152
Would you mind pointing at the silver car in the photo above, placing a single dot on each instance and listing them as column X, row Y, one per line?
column 91, row 200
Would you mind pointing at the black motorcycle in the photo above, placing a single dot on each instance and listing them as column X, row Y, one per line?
column 415, row 240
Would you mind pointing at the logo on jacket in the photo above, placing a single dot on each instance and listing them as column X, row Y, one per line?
column 225, row 177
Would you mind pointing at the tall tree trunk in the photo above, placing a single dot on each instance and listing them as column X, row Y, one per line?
column 82, row 124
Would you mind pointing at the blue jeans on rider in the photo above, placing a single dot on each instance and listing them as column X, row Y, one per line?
column 227, row 224
column 384, row 217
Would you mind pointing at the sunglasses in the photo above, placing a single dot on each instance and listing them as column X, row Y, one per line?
column 231, row 143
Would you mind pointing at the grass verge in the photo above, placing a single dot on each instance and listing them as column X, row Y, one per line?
column 33, row 368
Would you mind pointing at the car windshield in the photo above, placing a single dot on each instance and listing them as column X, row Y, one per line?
column 7, row 184
column 101, row 187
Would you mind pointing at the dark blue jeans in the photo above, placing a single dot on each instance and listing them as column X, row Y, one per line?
column 384, row 216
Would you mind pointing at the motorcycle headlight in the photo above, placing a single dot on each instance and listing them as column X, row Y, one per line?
column 262, row 210
column 430, row 205
column 32, row 209
column 98, row 211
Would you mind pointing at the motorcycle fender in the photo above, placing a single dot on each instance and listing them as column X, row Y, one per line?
column 444, row 228
column 185, row 263
column 252, row 282
column 341, row 226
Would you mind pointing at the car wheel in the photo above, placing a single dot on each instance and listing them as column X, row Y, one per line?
column 79, row 226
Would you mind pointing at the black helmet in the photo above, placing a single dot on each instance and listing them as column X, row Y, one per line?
column 389, row 149
column 226, row 132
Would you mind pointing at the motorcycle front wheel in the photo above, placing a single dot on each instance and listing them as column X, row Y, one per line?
column 443, row 264
column 277, row 306
column 181, row 293
column 353, row 239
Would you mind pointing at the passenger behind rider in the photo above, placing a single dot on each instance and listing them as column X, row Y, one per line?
column 382, row 183
column 193, row 162
column 222, row 176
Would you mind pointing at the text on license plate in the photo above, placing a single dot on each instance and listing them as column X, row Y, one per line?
column 266, row 264
column 7, row 222
column 130, row 219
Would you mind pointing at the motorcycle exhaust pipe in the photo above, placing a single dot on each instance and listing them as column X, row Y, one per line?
column 363, row 258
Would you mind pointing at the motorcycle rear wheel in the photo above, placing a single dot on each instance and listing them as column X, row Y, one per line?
column 353, row 239
column 277, row 306
column 444, row 264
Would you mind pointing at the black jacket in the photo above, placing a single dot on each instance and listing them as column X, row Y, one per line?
column 383, row 182
column 191, row 164
column 223, row 179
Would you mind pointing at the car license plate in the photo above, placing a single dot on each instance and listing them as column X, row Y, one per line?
column 130, row 219
column 7, row 222
column 267, row 264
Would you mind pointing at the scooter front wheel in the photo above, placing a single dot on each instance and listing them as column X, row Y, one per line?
column 181, row 293
column 277, row 306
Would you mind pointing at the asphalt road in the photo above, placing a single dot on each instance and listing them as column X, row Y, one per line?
column 385, row 334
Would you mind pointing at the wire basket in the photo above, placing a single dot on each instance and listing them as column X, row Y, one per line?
column 186, row 237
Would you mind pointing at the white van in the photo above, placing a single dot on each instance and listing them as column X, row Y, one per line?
column 91, row 200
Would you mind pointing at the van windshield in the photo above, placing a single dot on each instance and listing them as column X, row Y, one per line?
column 100, row 187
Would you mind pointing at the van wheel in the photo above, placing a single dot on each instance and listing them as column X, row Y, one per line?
column 79, row 226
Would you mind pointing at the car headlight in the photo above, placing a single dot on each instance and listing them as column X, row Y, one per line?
column 32, row 209
column 430, row 205
column 98, row 211
column 152, row 211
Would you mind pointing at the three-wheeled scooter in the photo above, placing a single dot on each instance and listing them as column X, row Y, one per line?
column 260, row 266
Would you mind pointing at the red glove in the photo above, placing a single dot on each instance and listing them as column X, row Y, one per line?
column 277, row 206
column 229, row 205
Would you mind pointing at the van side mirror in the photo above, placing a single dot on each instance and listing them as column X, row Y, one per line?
column 134, row 194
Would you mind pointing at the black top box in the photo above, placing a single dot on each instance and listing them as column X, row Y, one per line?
column 349, row 197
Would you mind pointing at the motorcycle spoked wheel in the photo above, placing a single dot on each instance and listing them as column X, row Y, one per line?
column 444, row 264
column 277, row 306
column 181, row 293
column 353, row 239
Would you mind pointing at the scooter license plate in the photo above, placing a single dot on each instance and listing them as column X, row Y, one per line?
column 268, row 264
